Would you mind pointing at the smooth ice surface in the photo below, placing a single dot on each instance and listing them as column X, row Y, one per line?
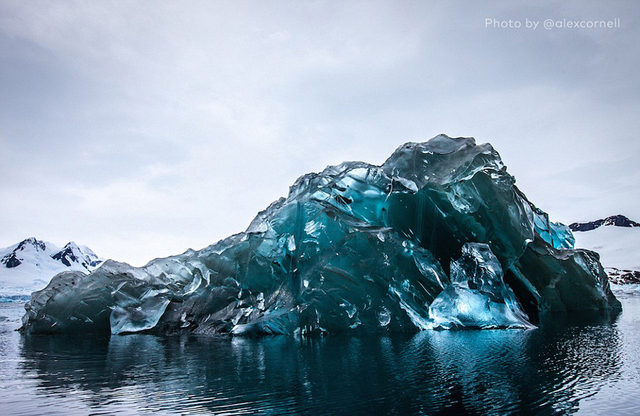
column 356, row 247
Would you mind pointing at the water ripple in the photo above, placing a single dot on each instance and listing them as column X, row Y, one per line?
column 565, row 366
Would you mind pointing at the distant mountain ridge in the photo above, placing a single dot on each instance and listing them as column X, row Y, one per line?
column 614, row 220
column 72, row 253
column 29, row 249
column 30, row 264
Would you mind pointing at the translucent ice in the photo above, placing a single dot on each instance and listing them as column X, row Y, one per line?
column 477, row 296
column 555, row 234
column 355, row 247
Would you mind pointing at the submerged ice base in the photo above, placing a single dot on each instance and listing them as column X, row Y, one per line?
column 438, row 236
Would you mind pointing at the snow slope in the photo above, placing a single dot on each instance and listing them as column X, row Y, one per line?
column 619, row 248
column 30, row 265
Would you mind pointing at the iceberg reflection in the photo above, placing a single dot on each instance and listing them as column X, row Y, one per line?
column 546, row 370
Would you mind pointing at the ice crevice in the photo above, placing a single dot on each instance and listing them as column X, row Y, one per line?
column 437, row 237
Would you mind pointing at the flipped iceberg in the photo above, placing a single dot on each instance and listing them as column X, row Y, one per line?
column 356, row 247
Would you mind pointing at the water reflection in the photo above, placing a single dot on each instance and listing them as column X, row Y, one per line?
column 547, row 370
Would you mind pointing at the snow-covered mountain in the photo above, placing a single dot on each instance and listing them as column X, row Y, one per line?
column 617, row 240
column 615, row 220
column 30, row 264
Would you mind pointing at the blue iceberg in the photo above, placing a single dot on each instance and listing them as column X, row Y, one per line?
column 438, row 236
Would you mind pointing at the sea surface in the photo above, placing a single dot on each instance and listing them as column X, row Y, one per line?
column 570, row 364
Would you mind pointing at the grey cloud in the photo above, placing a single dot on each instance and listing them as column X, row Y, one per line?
column 138, row 122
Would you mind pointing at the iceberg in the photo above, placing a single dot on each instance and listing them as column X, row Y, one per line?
column 438, row 236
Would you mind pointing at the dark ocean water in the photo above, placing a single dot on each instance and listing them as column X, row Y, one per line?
column 588, row 365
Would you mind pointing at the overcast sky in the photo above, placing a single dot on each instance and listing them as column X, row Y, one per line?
column 144, row 128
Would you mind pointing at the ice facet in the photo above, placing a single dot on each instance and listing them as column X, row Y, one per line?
column 358, row 248
column 477, row 296
column 557, row 235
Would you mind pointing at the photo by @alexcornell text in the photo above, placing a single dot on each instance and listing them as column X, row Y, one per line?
column 550, row 24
